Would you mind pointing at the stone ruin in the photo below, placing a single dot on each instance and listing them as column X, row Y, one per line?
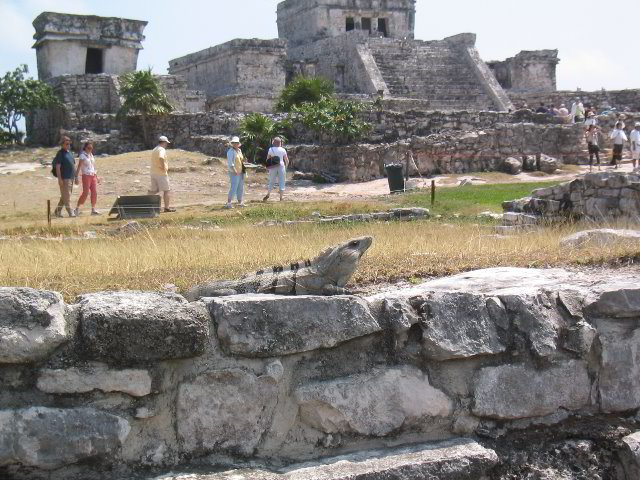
column 435, row 380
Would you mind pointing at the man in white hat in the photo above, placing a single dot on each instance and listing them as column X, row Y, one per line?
column 160, row 173
column 635, row 146
column 235, row 161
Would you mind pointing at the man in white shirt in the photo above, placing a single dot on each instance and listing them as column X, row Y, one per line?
column 577, row 111
column 619, row 137
column 160, row 173
column 635, row 146
column 277, row 162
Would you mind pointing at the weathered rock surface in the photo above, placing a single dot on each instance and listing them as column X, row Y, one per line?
column 620, row 369
column 548, row 164
column 631, row 455
column 458, row 325
column 372, row 404
column 135, row 327
column 225, row 409
column 514, row 391
column 50, row 438
column 600, row 237
column 136, row 383
column 511, row 165
column 451, row 460
column 267, row 326
column 32, row 324
column 616, row 300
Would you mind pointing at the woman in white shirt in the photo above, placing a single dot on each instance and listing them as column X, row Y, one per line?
column 87, row 168
column 277, row 162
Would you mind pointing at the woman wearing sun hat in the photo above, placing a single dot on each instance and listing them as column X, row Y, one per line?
column 235, row 161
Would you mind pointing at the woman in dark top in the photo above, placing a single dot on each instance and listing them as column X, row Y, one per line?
column 65, row 167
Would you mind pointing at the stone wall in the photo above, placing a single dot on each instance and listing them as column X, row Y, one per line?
column 240, row 67
column 603, row 100
column 124, row 382
column 594, row 196
column 528, row 71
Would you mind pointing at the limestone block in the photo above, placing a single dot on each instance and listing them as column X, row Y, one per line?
column 519, row 391
column 400, row 314
column 458, row 325
column 371, row 404
column 536, row 318
column 226, row 410
column 630, row 455
column 601, row 237
column 616, row 301
column 124, row 327
column 548, row 164
column 620, row 367
column 272, row 325
column 457, row 459
column 136, row 383
column 32, row 324
column 49, row 438
column 579, row 338
column 511, row 165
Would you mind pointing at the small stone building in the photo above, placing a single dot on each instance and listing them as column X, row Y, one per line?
column 527, row 72
column 86, row 44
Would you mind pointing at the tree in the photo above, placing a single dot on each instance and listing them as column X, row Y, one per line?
column 303, row 89
column 142, row 94
column 257, row 131
column 19, row 96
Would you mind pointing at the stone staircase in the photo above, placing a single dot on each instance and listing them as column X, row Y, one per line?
column 436, row 71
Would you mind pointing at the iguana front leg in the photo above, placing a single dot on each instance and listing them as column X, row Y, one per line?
column 330, row 289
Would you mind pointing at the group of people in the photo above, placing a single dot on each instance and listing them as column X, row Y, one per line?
column 68, row 174
column 618, row 138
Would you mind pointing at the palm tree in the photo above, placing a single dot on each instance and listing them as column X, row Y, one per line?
column 142, row 94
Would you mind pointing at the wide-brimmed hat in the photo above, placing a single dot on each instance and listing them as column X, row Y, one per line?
column 235, row 140
column 637, row 124
column 162, row 138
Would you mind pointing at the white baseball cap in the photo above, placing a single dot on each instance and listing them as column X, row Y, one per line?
column 163, row 139
column 235, row 140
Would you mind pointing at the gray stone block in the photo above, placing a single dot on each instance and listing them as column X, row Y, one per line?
column 49, row 438
column 272, row 325
column 134, row 327
column 32, row 324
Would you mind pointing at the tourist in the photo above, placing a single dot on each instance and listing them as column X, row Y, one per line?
column 577, row 111
column 592, row 142
column 591, row 120
column 542, row 108
column 277, row 163
column 553, row 110
column 620, row 118
column 619, row 137
column 237, row 170
column 635, row 146
column 65, row 166
column 160, row 173
column 87, row 169
column 562, row 111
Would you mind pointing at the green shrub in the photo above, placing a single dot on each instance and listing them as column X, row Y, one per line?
column 303, row 89
column 257, row 131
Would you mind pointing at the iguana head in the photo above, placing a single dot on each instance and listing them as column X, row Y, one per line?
column 338, row 263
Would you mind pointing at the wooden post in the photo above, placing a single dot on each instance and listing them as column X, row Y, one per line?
column 406, row 169
column 49, row 213
column 433, row 192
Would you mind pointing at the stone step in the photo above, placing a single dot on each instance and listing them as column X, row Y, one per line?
column 457, row 459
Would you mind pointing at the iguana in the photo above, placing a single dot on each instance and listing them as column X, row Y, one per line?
column 327, row 274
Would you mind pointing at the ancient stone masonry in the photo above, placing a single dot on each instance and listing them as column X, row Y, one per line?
column 79, row 44
column 240, row 75
column 527, row 72
column 133, row 384
column 621, row 100
column 595, row 196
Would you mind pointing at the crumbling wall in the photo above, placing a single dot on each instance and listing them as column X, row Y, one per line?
column 132, row 381
column 621, row 100
column 528, row 71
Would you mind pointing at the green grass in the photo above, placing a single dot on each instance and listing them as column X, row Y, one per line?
column 470, row 199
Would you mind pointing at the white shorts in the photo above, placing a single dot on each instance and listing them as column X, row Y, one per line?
column 635, row 154
column 159, row 183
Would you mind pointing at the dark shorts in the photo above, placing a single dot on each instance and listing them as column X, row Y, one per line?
column 593, row 148
column 617, row 151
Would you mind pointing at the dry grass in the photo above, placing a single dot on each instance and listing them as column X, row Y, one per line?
column 402, row 250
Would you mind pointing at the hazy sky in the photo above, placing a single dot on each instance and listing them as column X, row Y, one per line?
column 585, row 32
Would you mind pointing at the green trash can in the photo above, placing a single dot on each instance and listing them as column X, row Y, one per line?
column 394, row 176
